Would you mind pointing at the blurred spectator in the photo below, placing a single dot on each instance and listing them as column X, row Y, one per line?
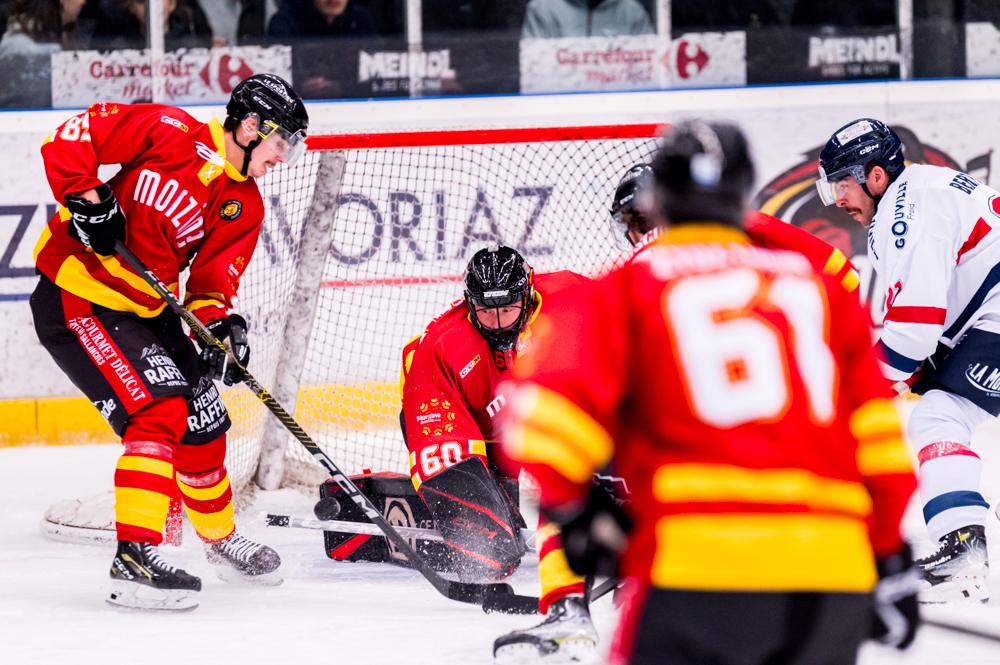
column 585, row 18
column 45, row 26
column 320, row 18
column 310, row 25
column 868, row 14
column 185, row 26
column 708, row 15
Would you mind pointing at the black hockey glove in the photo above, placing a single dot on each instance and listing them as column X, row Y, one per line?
column 897, row 614
column 594, row 536
column 97, row 225
column 214, row 361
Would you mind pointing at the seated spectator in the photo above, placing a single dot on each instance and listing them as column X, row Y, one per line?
column 309, row 26
column 585, row 18
column 185, row 26
column 44, row 26
column 320, row 18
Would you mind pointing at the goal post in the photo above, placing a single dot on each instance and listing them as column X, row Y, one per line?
column 365, row 240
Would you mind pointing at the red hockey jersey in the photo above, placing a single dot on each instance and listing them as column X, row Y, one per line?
column 450, row 383
column 773, row 233
column 184, row 204
column 736, row 391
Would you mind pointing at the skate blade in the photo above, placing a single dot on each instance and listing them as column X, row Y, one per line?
column 136, row 596
column 230, row 575
column 582, row 651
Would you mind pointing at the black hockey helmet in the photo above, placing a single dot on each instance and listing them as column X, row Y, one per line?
column 703, row 171
column 853, row 150
column 279, row 110
column 625, row 212
column 498, row 277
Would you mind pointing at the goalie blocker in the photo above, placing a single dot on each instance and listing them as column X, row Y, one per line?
column 481, row 530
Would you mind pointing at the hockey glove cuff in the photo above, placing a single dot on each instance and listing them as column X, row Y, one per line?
column 214, row 361
column 897, row 613
column 97, row 225
column 594, row 535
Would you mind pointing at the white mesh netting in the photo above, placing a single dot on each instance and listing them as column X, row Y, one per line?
column 404, row 222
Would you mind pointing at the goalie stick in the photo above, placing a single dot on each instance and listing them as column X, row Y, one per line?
column 466, row 592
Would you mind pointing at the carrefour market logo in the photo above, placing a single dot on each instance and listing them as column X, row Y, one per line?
column 792, row 195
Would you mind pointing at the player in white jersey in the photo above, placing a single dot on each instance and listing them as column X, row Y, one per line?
column 933, row 244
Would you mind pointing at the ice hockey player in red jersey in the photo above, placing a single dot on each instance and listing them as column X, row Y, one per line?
column 764, row 230
column 735, row 390
column 185, row 198
column 451, row 399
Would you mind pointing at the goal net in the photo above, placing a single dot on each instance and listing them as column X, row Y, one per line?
column 366, row 240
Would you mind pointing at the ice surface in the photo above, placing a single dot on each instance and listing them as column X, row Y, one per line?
column 52, row 607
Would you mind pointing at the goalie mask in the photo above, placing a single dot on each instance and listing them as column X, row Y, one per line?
column 281, row 116
column 499, row 291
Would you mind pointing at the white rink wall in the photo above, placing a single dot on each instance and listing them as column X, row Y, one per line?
column 957, row 119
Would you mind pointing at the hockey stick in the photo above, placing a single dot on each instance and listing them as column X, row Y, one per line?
column 343, row 526
column 513, row 603
column 465, row 592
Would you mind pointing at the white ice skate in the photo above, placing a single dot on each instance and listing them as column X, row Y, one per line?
column 566, row 636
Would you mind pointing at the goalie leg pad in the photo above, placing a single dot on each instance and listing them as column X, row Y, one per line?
column 476, row 520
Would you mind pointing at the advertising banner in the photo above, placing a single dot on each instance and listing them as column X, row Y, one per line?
column 783, row 55
column 79, row 78
column 633, row 62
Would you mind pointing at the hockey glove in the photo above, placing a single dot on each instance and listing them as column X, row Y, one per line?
column 897, row 614
column 97, row 225
column 215, row 361
column 594, row 536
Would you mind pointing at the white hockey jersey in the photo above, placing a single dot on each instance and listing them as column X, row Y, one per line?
column 935, row 247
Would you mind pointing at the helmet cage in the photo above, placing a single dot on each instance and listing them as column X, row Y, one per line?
column 500, row 338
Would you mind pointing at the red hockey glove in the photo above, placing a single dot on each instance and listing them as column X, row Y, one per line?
column 97, row 225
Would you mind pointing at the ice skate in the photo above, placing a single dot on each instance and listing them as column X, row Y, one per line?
column 566, row 636
column 239, row 559
column 141, row 579
column 958, row 569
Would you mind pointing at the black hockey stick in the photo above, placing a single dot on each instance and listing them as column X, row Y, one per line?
column 465, row 592
column 512, row 603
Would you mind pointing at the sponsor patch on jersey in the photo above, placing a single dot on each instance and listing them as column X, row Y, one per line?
column 174, row 122
column 230, row 210
column 469, row 367
column 984, row 377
